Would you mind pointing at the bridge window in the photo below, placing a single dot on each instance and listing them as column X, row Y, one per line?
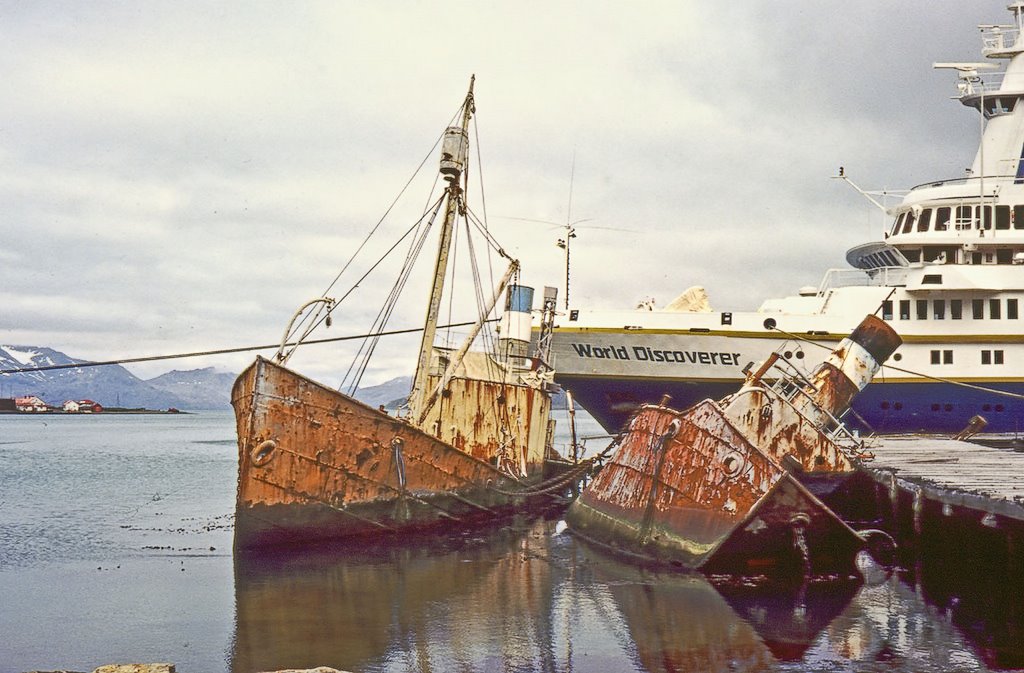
column 977, row 309
column 993, row 309
column 1004, row 255
column 964, row 217
column 1002, row 217
column 1011, row 309
column 942, row 218
column 939, row 309
column 956, row 309
column 908, row 223
column 922, row 309
column 1018, row 217
column 899, row 221
column 984, row 217
column 924, row 220
column 904, row 309
column 887, row 309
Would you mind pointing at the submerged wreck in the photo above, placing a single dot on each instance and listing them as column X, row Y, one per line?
column 726, row 486
column 315, row 463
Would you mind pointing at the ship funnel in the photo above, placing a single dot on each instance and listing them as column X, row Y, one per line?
column 853, row 364
column 516, row 325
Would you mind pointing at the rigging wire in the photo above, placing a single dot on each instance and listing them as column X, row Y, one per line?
column 354, row 287
column 939, row 379
column 219, row 351
column 362, row 357
column 318, row 320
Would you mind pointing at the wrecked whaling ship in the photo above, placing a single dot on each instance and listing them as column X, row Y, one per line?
column 315, row 463
column 719, row 486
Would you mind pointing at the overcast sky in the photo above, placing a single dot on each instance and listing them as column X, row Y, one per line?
column 182, row 176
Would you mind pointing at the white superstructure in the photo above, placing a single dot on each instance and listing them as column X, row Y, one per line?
column 949, row 277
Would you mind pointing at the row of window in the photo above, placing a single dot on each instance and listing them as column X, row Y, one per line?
column 898, row 406
column 936, row 309
column 988, row 357
column 960, row 218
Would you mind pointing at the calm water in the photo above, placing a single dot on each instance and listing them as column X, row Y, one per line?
column 115, row 545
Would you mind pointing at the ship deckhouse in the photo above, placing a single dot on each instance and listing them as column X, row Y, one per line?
column 978, row 220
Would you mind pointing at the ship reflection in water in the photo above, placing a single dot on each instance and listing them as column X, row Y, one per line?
column 530, row 597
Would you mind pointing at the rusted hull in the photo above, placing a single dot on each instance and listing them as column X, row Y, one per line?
column 316, row 464
column 687, row 488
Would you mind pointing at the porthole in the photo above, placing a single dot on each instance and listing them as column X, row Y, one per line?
column 936, row 407
column 263, row 453
column 986, row 407
column 885, row 405
column 947, row 407
column 799, row 355
column 897, row 406
column 999, row 407
column 732, row 464
column 897, row 357
column 788, row 355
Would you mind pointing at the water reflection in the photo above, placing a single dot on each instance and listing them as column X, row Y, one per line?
column 527, row 597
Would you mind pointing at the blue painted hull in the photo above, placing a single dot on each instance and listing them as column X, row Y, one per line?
column 884, row 408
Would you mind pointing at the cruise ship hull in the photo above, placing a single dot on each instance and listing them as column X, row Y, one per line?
column 883, row 407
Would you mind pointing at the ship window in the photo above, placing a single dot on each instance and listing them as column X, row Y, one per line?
column 932, row 279
column 1011, row 309
column 908, row 223
column 1002, row 217
column 942, row 219
column 956, row 309
column 925, row 220
column 977, row 309
column 964, row 217
column 1018, row 217
column 936, row 357
column 993, row 309
column 992, row 357
column 922, row 309
column 887, row 309
column 939, row 309
column 1004, row 255
column 899, row 222
column 947, row 357
column 913, row 255
column 984, row 217
column 904, row 309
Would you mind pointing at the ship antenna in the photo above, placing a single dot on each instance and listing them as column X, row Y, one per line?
column 867, row 195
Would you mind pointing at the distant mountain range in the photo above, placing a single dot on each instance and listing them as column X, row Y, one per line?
column 110, row 385
column 115, row 386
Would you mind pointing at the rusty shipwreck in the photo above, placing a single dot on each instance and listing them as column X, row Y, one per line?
column 726, row 486
column 473, row 441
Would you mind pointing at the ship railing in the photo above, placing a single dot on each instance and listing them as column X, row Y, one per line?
column 966, row 180
column 792, row 383
column 880, row 277
column 998, row 39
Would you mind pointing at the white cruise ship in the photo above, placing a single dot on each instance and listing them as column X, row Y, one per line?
column 948, row 276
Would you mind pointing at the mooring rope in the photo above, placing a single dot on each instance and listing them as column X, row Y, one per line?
column 222, row 351
column 939, row 379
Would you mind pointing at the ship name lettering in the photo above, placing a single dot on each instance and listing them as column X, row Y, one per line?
column 648, row 354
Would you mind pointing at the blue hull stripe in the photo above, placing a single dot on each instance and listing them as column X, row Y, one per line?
column 886, row 408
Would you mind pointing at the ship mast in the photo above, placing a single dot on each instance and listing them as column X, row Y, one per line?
column 454, row 151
